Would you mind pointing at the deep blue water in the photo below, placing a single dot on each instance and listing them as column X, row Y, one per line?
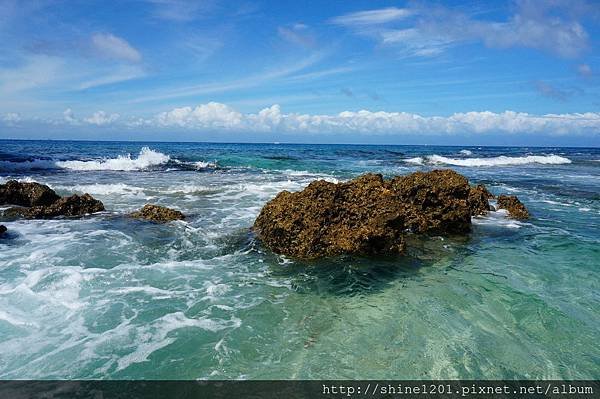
column 109, row 297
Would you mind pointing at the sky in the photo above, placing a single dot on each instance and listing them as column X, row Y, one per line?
column 523, row 72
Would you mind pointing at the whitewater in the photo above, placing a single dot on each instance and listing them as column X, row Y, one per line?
column 105, row 296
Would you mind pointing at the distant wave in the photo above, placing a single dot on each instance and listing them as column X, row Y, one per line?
column 495, row 161
column 466, row 152
column 146, row 159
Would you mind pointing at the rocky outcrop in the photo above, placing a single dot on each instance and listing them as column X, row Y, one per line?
column 157, row 213
column 75, row 205
column 3, row 230
column 479, row 197
column 515, row 208
column 368, row 215
column 26, row 194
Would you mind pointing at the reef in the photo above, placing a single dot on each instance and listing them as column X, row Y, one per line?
column 157, row 213
column 515, row 208
column 38, row 201
column 369, row 215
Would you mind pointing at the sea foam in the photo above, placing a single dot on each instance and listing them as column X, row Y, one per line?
column 495, row 161
column 145, row 159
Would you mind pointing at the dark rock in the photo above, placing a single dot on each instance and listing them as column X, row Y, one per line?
column 479, row 197
column 515, row 208
column 26, row 194
column 157, row 213
column 367, row 215
column 74, row 205
column 2, row 230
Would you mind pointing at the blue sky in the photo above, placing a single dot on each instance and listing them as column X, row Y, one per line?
column 453, row 72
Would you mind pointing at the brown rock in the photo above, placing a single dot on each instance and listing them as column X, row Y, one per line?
column 515, row 208
column 2, row 230
column 74, row 205
column 26, row 194
column 157, row 213
column 479, row 200
column 367, row 215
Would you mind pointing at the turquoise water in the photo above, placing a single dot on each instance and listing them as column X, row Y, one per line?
column 110, row 297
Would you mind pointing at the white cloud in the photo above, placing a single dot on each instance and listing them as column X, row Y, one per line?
column 69, row 117
column 554, row 27
column 101, row 118
column 111, row 46
column 297, row 34
column 372, row 17
column 121, row 73
column 220, row 116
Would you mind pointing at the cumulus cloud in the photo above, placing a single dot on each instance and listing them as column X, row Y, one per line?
column 111, row 46
column 100, row 118
column 554, row 27
column 214, row 116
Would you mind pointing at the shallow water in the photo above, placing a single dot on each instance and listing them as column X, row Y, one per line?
column 110, row 297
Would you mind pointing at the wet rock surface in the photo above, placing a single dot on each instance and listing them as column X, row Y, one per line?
column 368, row 215
column 157, row 213
column 479, row 197
column 38, row 201
column 515, row 208
column 3, row 230
column 75, row 205
column 26, row 194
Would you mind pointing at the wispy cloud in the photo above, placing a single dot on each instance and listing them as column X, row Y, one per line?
column 111, row 46
column 554, row 27
column 298, row 34
column 551, row 91
column 372, row 17
column 248, row 82
column 585, row 71
column 181, row 10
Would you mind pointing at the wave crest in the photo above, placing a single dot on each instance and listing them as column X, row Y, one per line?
column 146, row 159
column 495, row 161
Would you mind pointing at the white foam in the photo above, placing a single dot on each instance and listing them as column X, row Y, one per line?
column 495, row 161
column 145, row 159
column 466, row 152
column 104, row 189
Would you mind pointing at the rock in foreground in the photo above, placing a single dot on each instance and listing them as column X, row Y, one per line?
column 157, row 213
column 75, row 205
column 515, row 208
column 3, row 230
column 26, row 194
column 368, row 215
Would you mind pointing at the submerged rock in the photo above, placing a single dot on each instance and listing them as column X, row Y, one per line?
column 479, row 197
column 157, row 213
column 26, row 194
column 515, row 208
column 367, row 215
column 75, row 205
column 3, row 230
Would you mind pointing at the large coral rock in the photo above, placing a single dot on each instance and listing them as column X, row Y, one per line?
column 157, row 213
column 367, row 215
column 26, row 194
column 479, row 197
column 75, row 205
column 515, row 208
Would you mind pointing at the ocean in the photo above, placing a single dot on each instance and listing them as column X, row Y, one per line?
column 109, row 297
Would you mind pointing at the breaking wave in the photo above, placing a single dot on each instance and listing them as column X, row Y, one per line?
column 495, row 161
column 146, row 159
